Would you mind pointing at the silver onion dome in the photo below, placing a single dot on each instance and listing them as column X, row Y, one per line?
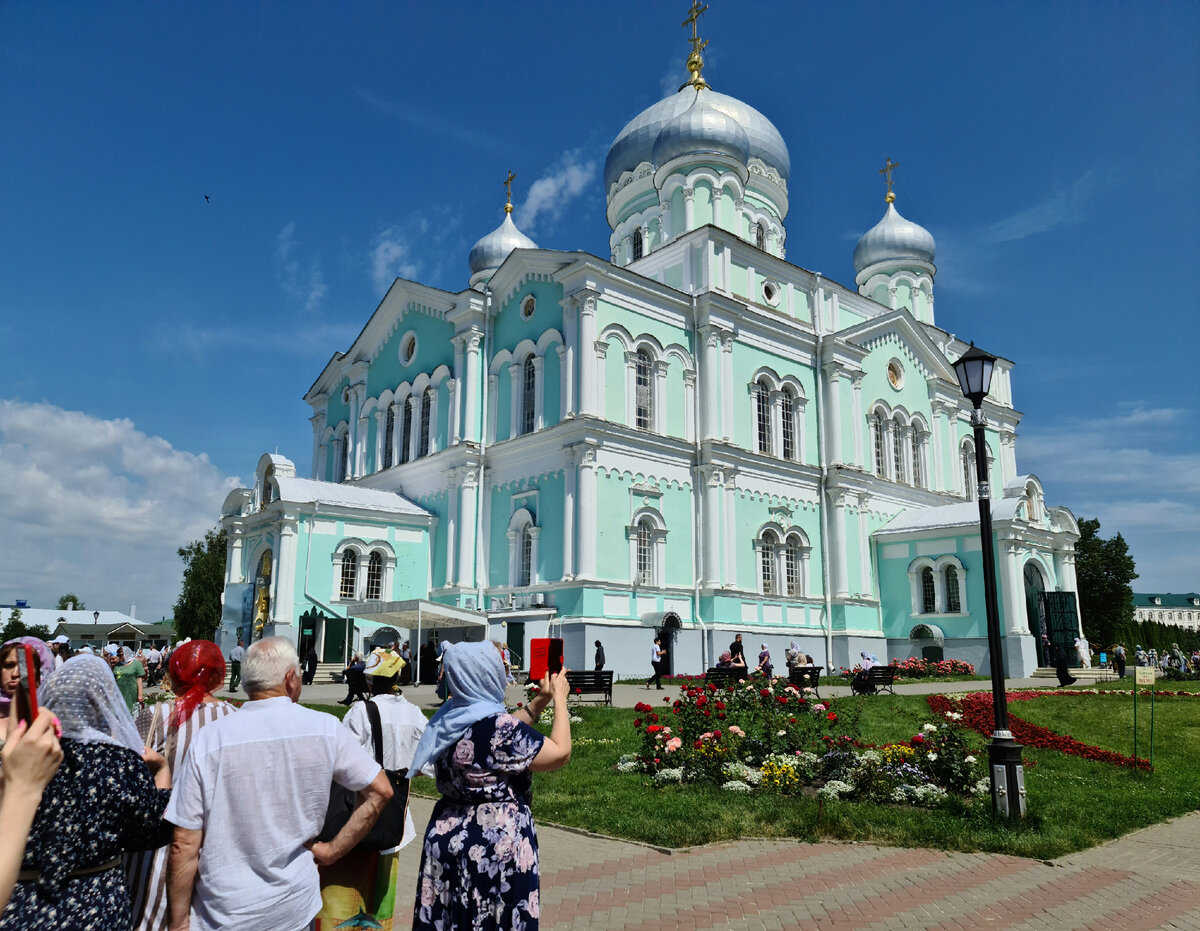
column 635, row 143
column 894, row 238
column 491, row 251
column 701, row 129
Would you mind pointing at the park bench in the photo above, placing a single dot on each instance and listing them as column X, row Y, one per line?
column 881, row 677
column 726, row 675
column 590, row 682
column 805, row 677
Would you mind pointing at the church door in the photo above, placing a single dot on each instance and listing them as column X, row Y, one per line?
column 1034, row 586
column 516, row 643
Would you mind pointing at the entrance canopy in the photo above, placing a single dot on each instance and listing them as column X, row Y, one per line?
column 416, row 613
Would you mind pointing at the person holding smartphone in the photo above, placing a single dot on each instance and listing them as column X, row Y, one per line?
column 43, row 661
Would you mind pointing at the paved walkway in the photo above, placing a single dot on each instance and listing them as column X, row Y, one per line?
column 1146, row 880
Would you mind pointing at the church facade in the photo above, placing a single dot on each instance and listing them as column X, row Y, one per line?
column 694, row 436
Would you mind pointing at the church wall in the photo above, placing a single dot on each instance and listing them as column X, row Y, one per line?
column 551, row 388
column 437, row 504
column 337, row 410
column 614, row 381
column 676, row 415
column 503, row 387
column 702, row 204
column 509, row 327
column 440, row 430
column 434, row 348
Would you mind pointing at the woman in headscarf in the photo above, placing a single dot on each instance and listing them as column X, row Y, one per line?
column 106, row 799
column 197, row 671
column 43, row 659
column 764, row 661
column 442, row 686
column 859, row 683
column 480, row 850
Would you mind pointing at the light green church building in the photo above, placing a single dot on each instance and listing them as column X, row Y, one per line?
column 693, row 436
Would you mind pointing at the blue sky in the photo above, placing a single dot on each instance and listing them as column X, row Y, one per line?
column 156, row 344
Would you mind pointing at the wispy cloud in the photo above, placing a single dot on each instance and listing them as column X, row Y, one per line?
column 98, row 507
column 301, row 281
column 1136, row 469
column 392, row 256
column 428, row 122
column 560, row 184
column 423, row 246
column 1061, row 207
column 314, row 340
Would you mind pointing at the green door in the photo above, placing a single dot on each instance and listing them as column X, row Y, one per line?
column 334, row 650
column 516, row 643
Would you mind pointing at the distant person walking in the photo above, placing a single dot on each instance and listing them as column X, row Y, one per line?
column 1119, row 660
column 236, row 655
column 599, row 656
column 735, row 650
column 656, row 653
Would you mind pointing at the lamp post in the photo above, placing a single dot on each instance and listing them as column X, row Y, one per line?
column 974, row 371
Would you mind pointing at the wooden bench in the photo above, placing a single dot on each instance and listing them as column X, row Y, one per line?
column 721, row 676
column 806, row 677
column 878, row 677
column 590, row 682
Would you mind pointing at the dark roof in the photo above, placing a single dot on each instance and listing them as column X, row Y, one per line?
column 1168, row 600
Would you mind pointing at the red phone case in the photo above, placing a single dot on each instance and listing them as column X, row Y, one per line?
column 545, row 655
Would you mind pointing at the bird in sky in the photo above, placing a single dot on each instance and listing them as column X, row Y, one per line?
column 206, row 199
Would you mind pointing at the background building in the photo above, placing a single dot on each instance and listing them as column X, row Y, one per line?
column 1166, row 608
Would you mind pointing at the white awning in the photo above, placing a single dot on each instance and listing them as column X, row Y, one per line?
column 416, row 613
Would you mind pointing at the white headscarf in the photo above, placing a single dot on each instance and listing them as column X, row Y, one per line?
column 84, row 695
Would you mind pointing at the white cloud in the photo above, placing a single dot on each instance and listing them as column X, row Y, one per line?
column 99, row 508
column 315, row 340
column 392, row 257
column 303, row 282
column 551, row 194
column 428, row 123
column 1060, row 207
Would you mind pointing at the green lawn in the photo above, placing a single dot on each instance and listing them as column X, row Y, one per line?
column 1073, row 803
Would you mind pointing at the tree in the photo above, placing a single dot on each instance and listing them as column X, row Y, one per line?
column 198, row 611
column 70, row 602
column 18, row 628
column 1104, row 571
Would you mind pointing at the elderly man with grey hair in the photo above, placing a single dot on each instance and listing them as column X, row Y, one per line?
column 251, row 799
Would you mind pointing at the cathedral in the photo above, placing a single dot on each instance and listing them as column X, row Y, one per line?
column 693, row 437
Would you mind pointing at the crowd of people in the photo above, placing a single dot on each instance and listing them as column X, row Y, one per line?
column 201, row 815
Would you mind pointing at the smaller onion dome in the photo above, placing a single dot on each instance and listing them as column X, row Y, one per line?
column 894, row 239
column 489, row 253
column 701, row 129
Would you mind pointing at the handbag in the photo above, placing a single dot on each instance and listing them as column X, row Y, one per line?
column 388, row 830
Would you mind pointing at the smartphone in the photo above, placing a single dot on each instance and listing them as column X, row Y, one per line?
column 545, row 655
column 27, row 683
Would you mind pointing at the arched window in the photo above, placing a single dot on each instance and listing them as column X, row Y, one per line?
column 349, row 575
column 426, row 410
column 953, row 600
column 898, row 450
column 374, row 575
column 528, row 394
column 639, row 245
column 643, row 397
column 525, row 558
column 762, row 415
column 265, row 495
column 918, row 474
column 389, row 434
column 795, row 561
column 645, row 552
column 788, row 410
column 760, row 236
column 767, row 552
column 877, row 443
column 345, row 464
column 968, row 471
column 928, row 591
column 406, row 433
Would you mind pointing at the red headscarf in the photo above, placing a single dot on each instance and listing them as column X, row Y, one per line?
column 197, row 668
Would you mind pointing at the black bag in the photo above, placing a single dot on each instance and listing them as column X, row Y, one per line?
column 388, row 831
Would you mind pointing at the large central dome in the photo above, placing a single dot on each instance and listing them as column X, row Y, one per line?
column 635, row 143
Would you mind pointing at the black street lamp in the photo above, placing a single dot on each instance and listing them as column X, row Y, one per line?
column 974, row 371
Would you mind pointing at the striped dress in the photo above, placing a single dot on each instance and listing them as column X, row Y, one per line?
column 147, row 870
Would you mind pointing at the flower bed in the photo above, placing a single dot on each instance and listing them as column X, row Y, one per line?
column 765, row 737
column 913, row 668
column 976, row 712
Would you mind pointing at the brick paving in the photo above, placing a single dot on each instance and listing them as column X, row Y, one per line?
column 1147, row 880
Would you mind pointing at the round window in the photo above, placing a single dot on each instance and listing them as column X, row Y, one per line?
column 527, row 307
column 408, row 348
column 895, row 374
column 770, row 292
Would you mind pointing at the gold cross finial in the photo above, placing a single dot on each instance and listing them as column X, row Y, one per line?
column 694, row 62
column 508, row 192
column 888, row 167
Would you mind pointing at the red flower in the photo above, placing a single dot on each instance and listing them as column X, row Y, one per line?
column 665, row 698
column 698, row 744
column 832, row 716
column 720, row 706
column 653, row 729
column 764, row 692
column 721, row 715
column 520, row 704
column 653, row 717
column 717, row 735
column 782, row 699
column 791, row 720
column 579, row 691
column 701, row 702
column 637, row 722
column 918, row 739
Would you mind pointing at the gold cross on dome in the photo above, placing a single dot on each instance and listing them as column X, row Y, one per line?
column 508, row 191
column 693, row 15
column 695, row 63
column 888, row 167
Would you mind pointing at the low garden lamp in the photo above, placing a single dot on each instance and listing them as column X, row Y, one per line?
column 974, row 370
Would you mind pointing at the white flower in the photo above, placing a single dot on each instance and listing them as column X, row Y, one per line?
column 929, row 727
column 781, row 734
column 931, row 757
column 735, row 785
column 968, row 759
column 953, row 716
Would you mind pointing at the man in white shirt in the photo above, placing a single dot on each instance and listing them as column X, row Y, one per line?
column 251, row 798
column 236, row 655
column 153, row 666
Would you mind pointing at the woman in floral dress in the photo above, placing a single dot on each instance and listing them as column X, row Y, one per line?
column 479, row 863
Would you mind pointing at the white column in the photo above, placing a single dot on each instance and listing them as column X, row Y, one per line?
column 936, row 444
column 453, row 424
column 535, row 534
column 352, row 433
column 397, row 429
column 727, row 386
column 833, row 379
column 515, row 370
column 587, row 357
column 689, row 405
column 689, row 209
column 856, row 412
column 453, row 544
column 658, row 404
column 1013, row 582
column 433, row 419
column 586, row 516
column 468, row 530
column 865, row 586
column 775, row 407
column 710, row 376
column 282, row 605
column 837, row 541
column 539, row 393
column 570, row 475
column 414, row 437
column 665, row 207
column 564, row 382
column 318, row 427
column 889, row 448
column 514, row 549
column 471, row 388
column 360, row 446
column 1067, row 580
column 493, row 408
column 631, row 388
column 713, row 489
column 730, row 535
column 380, row 429
column 233, row 562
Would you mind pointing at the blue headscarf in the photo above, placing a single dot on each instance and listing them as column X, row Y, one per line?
column 474, row 673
